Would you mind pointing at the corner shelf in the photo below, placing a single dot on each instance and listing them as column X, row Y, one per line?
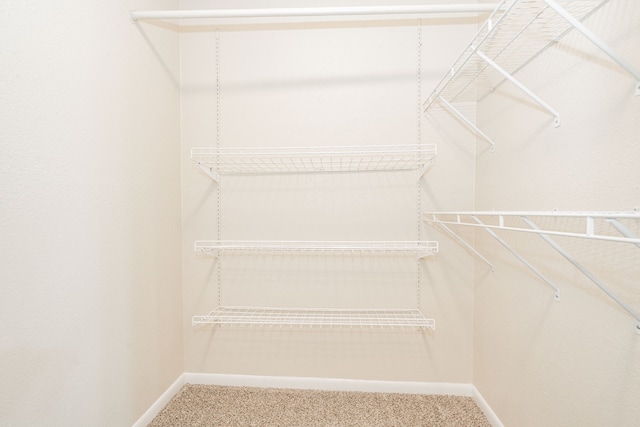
column 228, row 161
column 515, row 33
column 308, row 317
column 418, row 249
column 619, row 232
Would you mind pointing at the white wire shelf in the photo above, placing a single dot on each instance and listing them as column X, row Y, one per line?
column 226, row 161
column 352, row 318
column 515, row 33
column 605, row 226
column 419, row 249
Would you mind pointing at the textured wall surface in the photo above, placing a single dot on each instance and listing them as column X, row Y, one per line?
column 575, row 362
column 89, row 213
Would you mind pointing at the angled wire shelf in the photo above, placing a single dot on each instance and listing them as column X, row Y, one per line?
column 419, row 249
column 311, row 317
column 227, row 161
column 515, row 33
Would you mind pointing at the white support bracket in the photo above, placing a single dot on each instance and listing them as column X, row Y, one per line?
column 209, row 171
column 424, row 169
column 584, row 271
column 467, row 245
column 467, row 122
column 556, row 294
column 622, row 229
column 522, row 87
column 597, row 41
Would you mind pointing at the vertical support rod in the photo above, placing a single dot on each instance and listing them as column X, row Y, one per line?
column 522, row 87
column 466, row 245
column 596, row 41
column 521, row 258
column 467, row 122
column 583, row 270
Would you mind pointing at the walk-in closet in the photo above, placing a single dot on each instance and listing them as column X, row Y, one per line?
column 432, row 198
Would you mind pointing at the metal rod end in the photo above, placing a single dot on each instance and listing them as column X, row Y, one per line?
column 556, row 295
column 638, row 88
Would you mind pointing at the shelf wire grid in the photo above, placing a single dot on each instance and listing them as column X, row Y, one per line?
column 314, row 317
column 404, row 248
column 314, row 159
column 516, row 33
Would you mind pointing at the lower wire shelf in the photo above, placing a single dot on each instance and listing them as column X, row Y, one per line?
column 313, row 317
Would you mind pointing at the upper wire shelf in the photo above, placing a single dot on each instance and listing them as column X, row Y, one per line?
column 515, row 33
column 223, row 161
column 419, row 249
column 314, row 317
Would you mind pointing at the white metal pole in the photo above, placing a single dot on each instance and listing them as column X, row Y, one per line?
column 313, row 11
column 586, row 272
column 597, row 41
column 522, row 87
column 467, row 121
column 521, row 258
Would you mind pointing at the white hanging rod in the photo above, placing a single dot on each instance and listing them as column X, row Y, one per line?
column 312, row 11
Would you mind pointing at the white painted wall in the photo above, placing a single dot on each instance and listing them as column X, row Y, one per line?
column 89, row 213
column 536, row 361
column 336, row 83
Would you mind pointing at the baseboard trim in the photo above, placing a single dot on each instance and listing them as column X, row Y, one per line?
column 330, row 384
column 160, row 403
column 310, row 383
column 484, row 406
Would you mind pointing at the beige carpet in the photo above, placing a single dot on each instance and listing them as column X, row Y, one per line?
column 203, row 405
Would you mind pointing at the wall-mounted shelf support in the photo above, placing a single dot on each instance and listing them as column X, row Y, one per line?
column 622, row 229
column 615, row 219
column 468, row 122
column 210, row 172
column 520, row 86
column 597, row 41
column 584, row 271
column 523, row 260
column 467, row 245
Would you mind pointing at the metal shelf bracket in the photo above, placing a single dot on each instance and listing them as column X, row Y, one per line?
column 537, row 272
column 520, row 86
column 468, row 122
column 597, row 41
column 209, row 171
column 584, row 271
column 467, row 245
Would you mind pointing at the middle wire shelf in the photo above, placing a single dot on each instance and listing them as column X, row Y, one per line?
column 315, row 317
column 418, row 249
column 240, row 161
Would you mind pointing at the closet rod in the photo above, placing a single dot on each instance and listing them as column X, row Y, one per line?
column 312, row 11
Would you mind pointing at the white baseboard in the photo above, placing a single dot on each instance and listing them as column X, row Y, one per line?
column 160, row 403
column 484, row 406
column 329, row 384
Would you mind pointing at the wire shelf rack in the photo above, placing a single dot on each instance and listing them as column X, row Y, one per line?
column 418, row 249
column 312, row 317
column 516, row 32
column 223, row 161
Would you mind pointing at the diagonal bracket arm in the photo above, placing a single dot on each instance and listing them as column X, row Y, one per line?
column 597, row 41
column 520, row 86
column 468, row 122
column 584, row 271
column 556, row 294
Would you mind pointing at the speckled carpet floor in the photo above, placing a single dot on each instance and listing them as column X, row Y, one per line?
column 206, row 405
